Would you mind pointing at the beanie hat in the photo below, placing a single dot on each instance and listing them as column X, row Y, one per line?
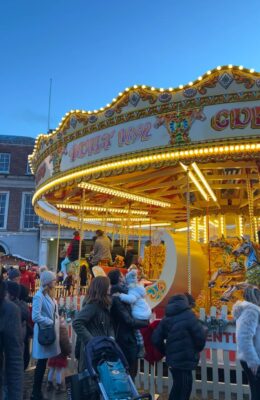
column 13, row 273
column 131, row 277
column 22, row 264
column 13, row 288
column 43, row 268
column 47, row 277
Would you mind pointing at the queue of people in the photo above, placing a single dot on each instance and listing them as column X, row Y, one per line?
column 114, row 306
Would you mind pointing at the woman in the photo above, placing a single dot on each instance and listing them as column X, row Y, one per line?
column 44, row 313
column 11, row 348
column 247, row 316
column 185, row 339
column 124, row 324
column 93, row 320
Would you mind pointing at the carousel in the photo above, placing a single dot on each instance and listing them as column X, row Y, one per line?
column 179, row 167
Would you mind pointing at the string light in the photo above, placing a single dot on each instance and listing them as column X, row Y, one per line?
column 203, row 179
column 101, row 209
column 195, row 181
column 114, row 219
column 142, row 160
column 124, row 195
column 240, row 225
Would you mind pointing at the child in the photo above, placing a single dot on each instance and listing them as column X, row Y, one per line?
column 68, row 283
column 140, row 308
column 59, row 363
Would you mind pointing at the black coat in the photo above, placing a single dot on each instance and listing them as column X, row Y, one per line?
column 11, row 350
column 125, row 326
column 129, row 257
column 93, row 320
column 117, row 250
column 180, row 335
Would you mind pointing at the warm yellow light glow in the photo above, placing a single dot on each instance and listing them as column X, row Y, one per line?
column 158, row 224
column 141, row 160
column 114, row 219
column 252, row 70
column 222, row 225
column 195, row 181
column 180, row 86
column 203, row 180
column 124, row 195
column 101, row 209
column 240, row 225
column 205, row 229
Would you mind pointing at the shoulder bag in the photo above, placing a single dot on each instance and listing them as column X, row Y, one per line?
column 47, row 334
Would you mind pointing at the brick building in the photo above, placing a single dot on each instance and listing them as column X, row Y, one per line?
column 19, row 225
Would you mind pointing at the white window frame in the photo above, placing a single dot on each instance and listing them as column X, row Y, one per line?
column 22, row 213
column 6, row 209
column 6, row 172
column 28, row 169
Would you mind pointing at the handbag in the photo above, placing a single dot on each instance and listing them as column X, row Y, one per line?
column 47, row 334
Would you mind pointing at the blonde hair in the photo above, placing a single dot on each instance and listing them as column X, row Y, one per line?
column 252, row 295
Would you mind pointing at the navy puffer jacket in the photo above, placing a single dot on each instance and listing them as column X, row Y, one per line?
column 180, row 335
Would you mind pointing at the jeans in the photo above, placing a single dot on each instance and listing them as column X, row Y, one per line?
column 64, row 267
column 38, row 377
column 182, row 384
column 253, row 380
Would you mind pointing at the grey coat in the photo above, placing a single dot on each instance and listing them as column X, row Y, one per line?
column 91, row 321
column 43, row 313
column 102, row 250
column 247, row 316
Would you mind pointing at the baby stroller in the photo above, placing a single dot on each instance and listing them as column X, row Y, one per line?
column 107, row 364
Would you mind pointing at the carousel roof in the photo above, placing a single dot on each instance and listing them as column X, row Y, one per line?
column 149, row 147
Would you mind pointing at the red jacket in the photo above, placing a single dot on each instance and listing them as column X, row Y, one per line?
column 27, row 279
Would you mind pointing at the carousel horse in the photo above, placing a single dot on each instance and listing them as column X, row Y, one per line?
column 252, row 268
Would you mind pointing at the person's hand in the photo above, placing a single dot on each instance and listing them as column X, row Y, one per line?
column 116, row 294
column 254, row 369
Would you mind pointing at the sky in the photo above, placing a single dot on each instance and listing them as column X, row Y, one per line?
column 92, row 50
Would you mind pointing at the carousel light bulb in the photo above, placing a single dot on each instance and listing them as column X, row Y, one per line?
column 230, row 66
column 170, row 89
column 200, row 78
column 180, row 86
column 219, row 68
column 241, row 67
column 190, row 83
column 208, row 72
column 161, row 89
column 252, row 70
column 152, row 88
column 135, row 86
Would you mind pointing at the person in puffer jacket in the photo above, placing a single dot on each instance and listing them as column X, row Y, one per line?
column 247, row 316
column 181, row 337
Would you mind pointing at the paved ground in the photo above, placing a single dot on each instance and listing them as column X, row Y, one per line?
column 53, row 395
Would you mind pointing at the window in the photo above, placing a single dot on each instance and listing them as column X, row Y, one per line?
column 4, row 163
column 28, row 169
column 29, row 218
column 4, row 197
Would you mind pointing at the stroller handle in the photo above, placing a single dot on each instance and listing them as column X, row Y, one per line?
column 100, row 343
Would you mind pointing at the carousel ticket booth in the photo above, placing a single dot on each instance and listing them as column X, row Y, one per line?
column 177, row 167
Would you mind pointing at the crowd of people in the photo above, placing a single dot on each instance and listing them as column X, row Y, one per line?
column 115, row 307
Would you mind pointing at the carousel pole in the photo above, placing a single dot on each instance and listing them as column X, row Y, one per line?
column 250, row 207
column 188, row 232
column 58, row 243
column 139, row 239
column 81, row 224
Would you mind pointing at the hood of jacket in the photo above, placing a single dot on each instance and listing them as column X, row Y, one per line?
column 242, row 306
column 176, row 305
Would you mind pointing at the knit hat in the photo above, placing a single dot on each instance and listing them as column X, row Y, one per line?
column 13, row 273
column 114, row 276
column 47, row 277
column 13, row 288
column 131, row 277
column 22, row 264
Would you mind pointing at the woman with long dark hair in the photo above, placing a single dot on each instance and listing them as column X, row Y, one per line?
column 93, row 320
column 11, row 348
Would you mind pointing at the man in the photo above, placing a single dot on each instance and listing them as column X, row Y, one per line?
column 102, row 248
column 130, row 253
column 14, row 275
column 11, row 347
column 72, row 254
column 27, row 277
column 118, row 250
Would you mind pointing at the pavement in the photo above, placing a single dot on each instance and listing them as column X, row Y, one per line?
column 61, row 396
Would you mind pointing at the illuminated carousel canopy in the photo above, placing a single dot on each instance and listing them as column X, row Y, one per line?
column 129, row 162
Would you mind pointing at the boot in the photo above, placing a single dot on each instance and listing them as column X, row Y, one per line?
column 50, row 386
column 59, row 389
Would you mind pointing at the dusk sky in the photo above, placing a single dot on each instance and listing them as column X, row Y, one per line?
column 94, row 49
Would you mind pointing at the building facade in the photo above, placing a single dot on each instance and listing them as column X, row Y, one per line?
column 19, row 225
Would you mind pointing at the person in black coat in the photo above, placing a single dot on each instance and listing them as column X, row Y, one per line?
column 117, row 250
column 181, row 337
column 124, row 324
column 130, row 253
column 11, row 348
